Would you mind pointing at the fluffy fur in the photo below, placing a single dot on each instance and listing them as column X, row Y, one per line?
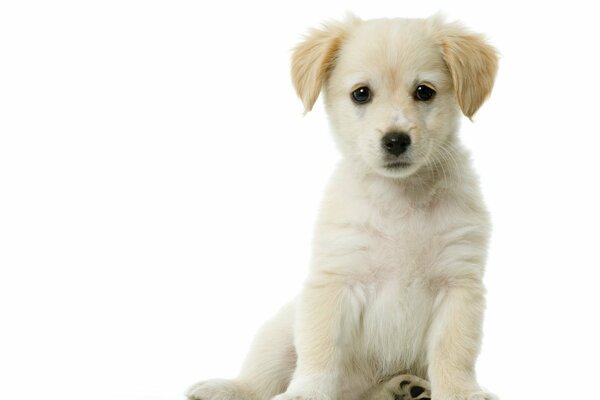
column 395, row 286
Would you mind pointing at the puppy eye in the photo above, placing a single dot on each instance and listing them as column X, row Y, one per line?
column 424, row 93
column 361, row 95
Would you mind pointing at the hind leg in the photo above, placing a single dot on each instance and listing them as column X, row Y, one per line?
column 268, row 367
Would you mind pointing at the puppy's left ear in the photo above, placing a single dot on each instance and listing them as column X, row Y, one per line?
column 314, row 58
column 472, row 63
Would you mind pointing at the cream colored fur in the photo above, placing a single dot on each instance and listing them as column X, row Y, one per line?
column 395, row 284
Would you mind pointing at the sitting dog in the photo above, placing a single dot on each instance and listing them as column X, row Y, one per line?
column 394, row 298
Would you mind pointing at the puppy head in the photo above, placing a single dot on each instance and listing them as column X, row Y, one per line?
column 394, row 88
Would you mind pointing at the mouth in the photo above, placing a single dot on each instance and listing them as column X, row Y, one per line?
column 398, row 165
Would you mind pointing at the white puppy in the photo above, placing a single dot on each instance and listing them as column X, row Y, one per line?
column 395, row 286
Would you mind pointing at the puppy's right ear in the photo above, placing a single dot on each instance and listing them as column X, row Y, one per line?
column 314, row 58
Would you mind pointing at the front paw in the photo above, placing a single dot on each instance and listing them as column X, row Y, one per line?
column 481, row 395
column 219, row 389
column 474, row 395
column 302, row 396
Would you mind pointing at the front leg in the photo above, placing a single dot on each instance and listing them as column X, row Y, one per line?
column 321, row 328
column 454, row 342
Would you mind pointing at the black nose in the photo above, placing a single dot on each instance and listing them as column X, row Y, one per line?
column 396, row 143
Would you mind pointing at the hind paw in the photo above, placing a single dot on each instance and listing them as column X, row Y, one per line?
column 404, row 387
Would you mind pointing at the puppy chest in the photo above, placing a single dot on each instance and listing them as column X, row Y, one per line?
column 398, row 298
column 396, row 316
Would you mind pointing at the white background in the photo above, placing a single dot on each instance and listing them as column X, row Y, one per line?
column 158, row 188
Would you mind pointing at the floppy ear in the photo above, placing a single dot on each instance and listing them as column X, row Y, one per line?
column 472, row 63
column 314, row 58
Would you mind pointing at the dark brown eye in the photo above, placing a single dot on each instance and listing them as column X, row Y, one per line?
column 424, row 93
column 361, row 95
